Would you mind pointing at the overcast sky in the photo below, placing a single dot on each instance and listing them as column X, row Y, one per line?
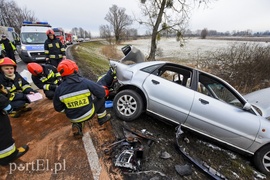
column 221, row 15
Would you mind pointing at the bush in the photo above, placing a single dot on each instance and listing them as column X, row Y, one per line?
column 245, row 66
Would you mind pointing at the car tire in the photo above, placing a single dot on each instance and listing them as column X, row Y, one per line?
column 262, row 158
column 128, row 105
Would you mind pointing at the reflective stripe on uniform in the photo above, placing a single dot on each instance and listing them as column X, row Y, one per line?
column 101, row 115
column 43, row 79
column 8, row 151
column 50, row 74
column 57, row 74
column 25, row 87
column 11, row 97
column 46, row 51
column 52, row 56
column 76, row 99
column 86, row 116
column 13, row 88
column 46, row 86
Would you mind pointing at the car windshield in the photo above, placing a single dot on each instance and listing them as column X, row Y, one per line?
column 58, row 33
column 33, row 38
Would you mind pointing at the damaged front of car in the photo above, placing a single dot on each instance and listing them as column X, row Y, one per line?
column 260, row 101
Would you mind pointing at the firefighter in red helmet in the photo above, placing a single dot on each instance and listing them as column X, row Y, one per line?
column 8, row 150
column 45, row 77
column 79, row 98
column 54, row 49
column 15, row 85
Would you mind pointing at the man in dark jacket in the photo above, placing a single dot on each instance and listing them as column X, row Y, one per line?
column 46, row 77
column 16, row 85
column 8, row 48
column 54, row 49
column 8, row 150
column 79, row 97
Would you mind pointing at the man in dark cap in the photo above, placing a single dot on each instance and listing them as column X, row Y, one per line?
column 8, row 48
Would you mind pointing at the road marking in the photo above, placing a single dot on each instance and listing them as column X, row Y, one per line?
column 92, row 155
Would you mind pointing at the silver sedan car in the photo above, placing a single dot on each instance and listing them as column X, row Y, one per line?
column 196, row 100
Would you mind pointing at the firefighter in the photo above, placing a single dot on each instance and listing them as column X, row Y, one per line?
column 46, row 77
column 79, row 98
column 16, row 86
column 8, row 48
column 8, row 150
column 54, row 49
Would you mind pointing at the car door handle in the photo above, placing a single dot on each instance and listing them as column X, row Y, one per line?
column 203, row 101
column 155, row 82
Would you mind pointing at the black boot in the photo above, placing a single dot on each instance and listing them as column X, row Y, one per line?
column 104, row 119
column 77, row 129
column 21, row 151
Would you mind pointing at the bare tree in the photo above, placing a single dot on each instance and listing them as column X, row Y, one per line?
column 105, row 32
column 13, row 16
column 204, row 33
column 119, row 21
column 166, row 15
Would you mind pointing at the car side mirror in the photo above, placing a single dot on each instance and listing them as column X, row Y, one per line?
column 247, row 106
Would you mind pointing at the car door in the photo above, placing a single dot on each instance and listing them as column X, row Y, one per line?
column 218, row 112
column 167, row 98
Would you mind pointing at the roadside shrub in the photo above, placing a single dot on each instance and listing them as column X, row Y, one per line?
column 110, row 51
column 246, row 66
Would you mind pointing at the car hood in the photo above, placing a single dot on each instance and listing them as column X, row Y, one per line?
column 260, row 100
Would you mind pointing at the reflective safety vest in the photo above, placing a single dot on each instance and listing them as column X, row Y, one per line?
column 8, row 151
column 76, row 100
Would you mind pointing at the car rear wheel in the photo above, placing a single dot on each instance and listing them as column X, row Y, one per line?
column 128, row 105
column 262, row 159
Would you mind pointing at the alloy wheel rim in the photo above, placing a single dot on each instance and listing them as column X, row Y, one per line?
column 126, row 105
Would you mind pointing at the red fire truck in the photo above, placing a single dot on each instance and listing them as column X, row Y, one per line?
column 69, row 39
column 60, row 34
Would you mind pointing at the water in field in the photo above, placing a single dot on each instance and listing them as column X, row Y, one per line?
column 169, row 48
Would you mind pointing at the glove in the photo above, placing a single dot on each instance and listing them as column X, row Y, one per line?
column 8, row 109
column 3, row 89
column 107, row 92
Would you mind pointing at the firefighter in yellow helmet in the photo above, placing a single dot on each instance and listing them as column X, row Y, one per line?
column 8, row 150
column 16, row 86
column 79, row 98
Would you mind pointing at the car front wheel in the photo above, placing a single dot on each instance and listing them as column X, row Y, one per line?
column 128, row 105
column 262, row 159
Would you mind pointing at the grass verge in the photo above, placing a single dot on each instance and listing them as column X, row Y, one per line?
column 89, row 56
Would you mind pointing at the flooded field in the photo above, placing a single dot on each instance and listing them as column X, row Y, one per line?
column 169, row 48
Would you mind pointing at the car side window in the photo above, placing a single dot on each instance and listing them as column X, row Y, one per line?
column 175, row 74
column 217, row 89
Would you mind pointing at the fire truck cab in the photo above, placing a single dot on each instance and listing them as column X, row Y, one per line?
column 69, row 39
column 60, row 34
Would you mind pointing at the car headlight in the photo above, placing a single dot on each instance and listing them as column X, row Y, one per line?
column 23, row 47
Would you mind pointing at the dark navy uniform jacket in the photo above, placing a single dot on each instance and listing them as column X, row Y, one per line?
column 74, row 97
